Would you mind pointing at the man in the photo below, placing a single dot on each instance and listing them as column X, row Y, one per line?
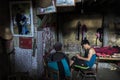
column 58, row 55
column 62, row 61
column 88, row 60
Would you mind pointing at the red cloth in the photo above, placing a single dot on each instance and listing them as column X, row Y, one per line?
column 106, row 51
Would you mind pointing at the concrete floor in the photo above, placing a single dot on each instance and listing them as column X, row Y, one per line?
column 106, row 72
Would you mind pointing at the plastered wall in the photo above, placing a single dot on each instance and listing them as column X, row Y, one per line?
column 68, row 26
column 68, row 23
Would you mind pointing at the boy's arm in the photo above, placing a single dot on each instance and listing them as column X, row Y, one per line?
column 89, row 56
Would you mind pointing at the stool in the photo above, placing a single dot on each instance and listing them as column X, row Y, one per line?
column 51, row 72
column 88, row 73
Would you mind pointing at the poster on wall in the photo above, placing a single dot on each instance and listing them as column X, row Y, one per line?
column 46, row 10
column 21, row 18
column 65, row 2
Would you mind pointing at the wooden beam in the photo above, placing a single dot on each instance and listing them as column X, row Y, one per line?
column 77, row 1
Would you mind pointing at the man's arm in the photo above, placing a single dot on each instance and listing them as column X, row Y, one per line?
column 89, row 55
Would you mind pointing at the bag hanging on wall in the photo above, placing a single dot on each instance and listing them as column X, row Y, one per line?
column 84, row 31
column 100, row 34
column 78, row 30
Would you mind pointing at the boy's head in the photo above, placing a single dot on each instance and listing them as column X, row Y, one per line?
column 85, row 43
column 58, row 46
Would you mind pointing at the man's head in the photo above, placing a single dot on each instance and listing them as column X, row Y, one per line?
column 85, row 44
column 58, row 46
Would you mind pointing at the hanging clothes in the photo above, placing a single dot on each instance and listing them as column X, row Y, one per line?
column 97, row 37
column 84, row 32
column 100, row 34
column 78, row 30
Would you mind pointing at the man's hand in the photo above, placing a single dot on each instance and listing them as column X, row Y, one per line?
column 78, row 56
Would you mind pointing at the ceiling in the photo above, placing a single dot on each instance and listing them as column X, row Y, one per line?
column 96, row 6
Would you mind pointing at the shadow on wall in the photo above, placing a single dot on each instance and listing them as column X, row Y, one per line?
column 68, row 24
